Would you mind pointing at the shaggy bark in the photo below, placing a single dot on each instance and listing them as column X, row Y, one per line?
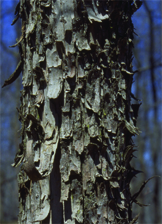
column 76, row 112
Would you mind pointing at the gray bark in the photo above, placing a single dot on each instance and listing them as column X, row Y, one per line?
column 76, row 112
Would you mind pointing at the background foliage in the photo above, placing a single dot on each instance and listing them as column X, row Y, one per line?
column 147, row 87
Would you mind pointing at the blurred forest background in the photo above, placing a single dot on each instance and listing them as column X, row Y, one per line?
column 147, row 86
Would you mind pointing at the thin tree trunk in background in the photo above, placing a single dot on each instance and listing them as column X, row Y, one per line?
column 76, row 114
column 141, row 146
column 151, row 57
column 155, row 142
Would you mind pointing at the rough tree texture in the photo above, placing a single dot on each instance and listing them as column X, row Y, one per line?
column 76, row 112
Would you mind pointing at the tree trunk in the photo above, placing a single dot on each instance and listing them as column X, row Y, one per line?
column 76, row 112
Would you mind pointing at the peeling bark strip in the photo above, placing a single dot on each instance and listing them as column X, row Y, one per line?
column 76, row 111
column 14, row 75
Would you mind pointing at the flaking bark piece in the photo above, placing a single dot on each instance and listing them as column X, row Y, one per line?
column 14, row 75
column 16, row 13
column 135, row 219
column 18, row 41
column 15, row 20
column 141, row 188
